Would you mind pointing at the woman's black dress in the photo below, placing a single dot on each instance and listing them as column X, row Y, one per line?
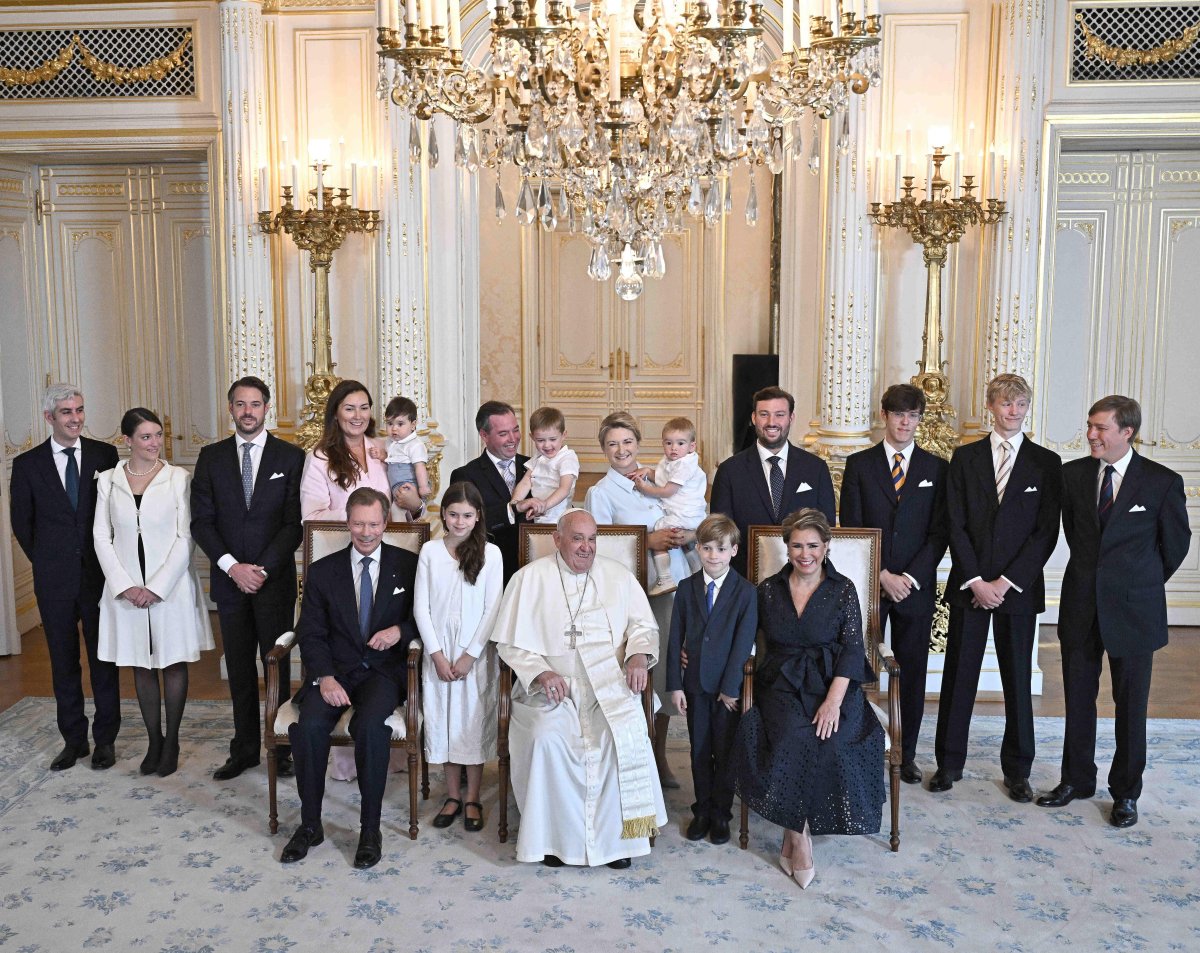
column 782, row 770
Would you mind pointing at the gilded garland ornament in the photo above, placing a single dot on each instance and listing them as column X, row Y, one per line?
column 101, row 71
column 1124, row 57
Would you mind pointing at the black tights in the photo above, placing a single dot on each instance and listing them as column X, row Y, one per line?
column 150, row 699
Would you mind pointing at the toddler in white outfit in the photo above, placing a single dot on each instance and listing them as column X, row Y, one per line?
column 678, row 482
column 406, row 455
column 551, row 473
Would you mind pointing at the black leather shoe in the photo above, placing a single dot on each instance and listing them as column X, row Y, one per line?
column 153, row 755
column 910, row 773
column 943, row 780
column 232, row 768
column 370, row 849
column 720, row 832
column 302, row 841
column 473, row 823
column 1124, row 812
column 443, row 819
column 551, row 861
column 1019, row 789
column 284, row 768
column 68, row 756
column 698, row 829
column 623, row 864
column 103, row 757
column 169, row 763
column 1064, row 794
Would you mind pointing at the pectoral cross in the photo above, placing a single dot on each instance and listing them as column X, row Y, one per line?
column 573, row 633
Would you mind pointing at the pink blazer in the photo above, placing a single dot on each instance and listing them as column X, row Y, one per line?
column 322, row 499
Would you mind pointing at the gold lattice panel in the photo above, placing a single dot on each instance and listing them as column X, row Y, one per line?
column 1143, row 42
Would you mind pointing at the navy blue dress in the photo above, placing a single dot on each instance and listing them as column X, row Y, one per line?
column 781, row 769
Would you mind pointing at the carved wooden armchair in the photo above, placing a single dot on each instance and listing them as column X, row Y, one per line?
column 322, row 537
column 623, row 544
column 855, row 553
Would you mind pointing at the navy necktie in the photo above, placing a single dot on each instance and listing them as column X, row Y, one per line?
column 247, row 474
column 776, row 486
column 1104, row 505
column 72, row 481
column 712, row 594
column 364, row 599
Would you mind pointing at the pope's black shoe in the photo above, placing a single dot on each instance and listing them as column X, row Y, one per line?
column 622, row 864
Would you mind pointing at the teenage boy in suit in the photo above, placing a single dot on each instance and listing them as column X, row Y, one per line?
column 714, row 620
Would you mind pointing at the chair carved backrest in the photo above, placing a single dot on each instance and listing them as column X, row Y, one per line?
column 623, row 544
column 854, row 553
column 322, row 537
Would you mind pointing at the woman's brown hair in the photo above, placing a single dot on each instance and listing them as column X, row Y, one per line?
column 339, row 461
column 470, row 552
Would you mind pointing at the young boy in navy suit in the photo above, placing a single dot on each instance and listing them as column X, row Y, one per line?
column 714, row 621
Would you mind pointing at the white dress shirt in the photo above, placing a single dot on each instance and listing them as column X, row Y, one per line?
column 1119, row 468
column 499, row 465
column 356, row 559
column 764, row 453
column 227, row 562
column 905, row 463
column 717, row 582
column 998, row 454
column 60, row 458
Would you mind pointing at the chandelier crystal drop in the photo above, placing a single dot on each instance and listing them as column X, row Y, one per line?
column 623, row 115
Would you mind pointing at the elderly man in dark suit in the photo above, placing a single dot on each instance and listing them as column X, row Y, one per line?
column 763, row 484
column 246, row 518
column 1126, row 522
column 495, row 472
column 897, row 487
column 354, row 629
column 1003, row 505
column 53, row 504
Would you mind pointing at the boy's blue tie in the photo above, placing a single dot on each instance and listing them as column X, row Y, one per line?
column 712, row 594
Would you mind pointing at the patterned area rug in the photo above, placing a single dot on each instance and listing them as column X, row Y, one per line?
column 111, row 860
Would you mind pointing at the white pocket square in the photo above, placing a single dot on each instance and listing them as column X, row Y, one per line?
column 1031, row 489
column 1137, row 508
column 925, row 483
column 802, row 487
column 396, row 592
column 95, row 474
column 276, row 476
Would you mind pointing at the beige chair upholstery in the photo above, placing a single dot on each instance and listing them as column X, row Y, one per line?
column 623, row 544
column 855, row 554
column 322, row 537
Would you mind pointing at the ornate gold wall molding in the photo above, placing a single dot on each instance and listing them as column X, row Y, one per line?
column 189, row 188
column 92, row 191
column 1083, row 178
column 101, row 70
column 11, row 185
column 1121, row 56
column 1180, row 175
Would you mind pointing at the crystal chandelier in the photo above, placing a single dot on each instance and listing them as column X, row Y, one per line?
column 622, row 119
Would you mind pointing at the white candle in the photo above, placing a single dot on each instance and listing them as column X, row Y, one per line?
column 285, row 156
column 993, row 191
column 970, row 138
column 929, row 174
column 354, row 184
column 802, row 12
column 340, row 171
column 788, row 44
column 455, row 26
column 908, row 153
column 439, row 12
column 539, row 10
column 899, row 177
column 957, row 175
column 614, row 58
column 423, row 14
column 410, row 13
column 320, row 190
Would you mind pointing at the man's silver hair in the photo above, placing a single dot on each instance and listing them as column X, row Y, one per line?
column 566, row 514
column 56, row 392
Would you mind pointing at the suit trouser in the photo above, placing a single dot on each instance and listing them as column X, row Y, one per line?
column 1081, row 666
column 374, row 699
column 1013, row 635
column 711, row 730
column 910, row 645
column 249, row 628
column 62, row 620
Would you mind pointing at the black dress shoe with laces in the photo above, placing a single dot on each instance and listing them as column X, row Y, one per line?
column 69, row 755
column 1124, row 812
column 302, row 841
column 370, row 849
column 943, row 780
column 104, row 757
column 719, row 832
column 698, row 829
column 623, row 864
column 910, row 773
column 1018, row 789
column 1064, row 794
column 232, row 768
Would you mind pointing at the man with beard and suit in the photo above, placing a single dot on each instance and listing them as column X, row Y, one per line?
column 897, row 487
column 495, row 472
column 246, row 518
column 1003, row 506
column 773, row 478
column 355, row 625
column 53, row 504
column 1126, row 522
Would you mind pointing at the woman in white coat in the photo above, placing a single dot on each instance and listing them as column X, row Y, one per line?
column 152, row 614
column 459, row 582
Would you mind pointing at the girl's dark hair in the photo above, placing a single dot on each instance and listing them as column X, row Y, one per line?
column 136, row 416
column 339, row 461
column 470, row 552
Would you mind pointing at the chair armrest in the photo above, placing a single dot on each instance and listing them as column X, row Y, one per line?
column 412, row 703
column 887, row 660
column 504, row 713
column 279, row 652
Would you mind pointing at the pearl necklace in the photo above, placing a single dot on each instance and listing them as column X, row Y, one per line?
column 132, row 472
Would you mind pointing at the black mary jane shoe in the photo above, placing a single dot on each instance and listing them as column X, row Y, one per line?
column 473, row 823
column 445, row 820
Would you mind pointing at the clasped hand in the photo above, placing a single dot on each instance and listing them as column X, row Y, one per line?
column 896, row 587
column 448, row 672
column 385, row 638
column 988, row 595
column 140, row 596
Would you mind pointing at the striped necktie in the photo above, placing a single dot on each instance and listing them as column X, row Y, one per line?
column 510, row 478
column 1105, row 503
column 1004, row 471
column 898, row 473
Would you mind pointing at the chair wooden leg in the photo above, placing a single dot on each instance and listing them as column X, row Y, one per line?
column 424, row 768
column 502, row 768
column 412, row 793
column 273, row 819
column 744, row 831
column 894, row 771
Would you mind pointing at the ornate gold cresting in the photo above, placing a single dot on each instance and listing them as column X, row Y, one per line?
column 1124, row 57
column 101, row 71
column 936, row 223
column 319, row 229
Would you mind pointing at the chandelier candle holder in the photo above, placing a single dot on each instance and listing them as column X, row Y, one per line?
column 318, row 224
column 620, row 120
column 935, row 223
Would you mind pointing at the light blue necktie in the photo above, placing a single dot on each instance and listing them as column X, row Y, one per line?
column 364, row 599
column 712, row 594
column 247, row 474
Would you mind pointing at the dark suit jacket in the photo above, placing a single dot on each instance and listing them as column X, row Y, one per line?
column 1119, row 576
column 327, row 632
column 717, row 644
column 57, row 539
column 483, row 473
column 915, row 535
column 268, row 533
column 1013, row 539
column 740, row 491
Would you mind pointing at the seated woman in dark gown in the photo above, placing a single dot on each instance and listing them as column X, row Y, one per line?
column 809, row 754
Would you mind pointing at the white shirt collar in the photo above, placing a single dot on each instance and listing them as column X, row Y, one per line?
column 1120, row 466
column 621, row 481
column 906, row 453
column 719, row 582
column 764, row 453
column 259, row 441
column 1013, row 441
column 59, row 447
column 356, row 557
column 497, row 462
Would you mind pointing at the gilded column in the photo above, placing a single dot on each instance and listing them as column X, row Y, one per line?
column 249, row 319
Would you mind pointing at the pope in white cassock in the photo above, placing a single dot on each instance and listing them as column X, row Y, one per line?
column 578, row 633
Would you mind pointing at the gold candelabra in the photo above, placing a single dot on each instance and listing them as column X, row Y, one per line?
column 935, row 223
column 319, row 228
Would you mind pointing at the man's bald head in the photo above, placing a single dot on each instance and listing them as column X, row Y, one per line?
column 575, row 537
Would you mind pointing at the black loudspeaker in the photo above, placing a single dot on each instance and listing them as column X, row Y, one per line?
column 751, row 373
